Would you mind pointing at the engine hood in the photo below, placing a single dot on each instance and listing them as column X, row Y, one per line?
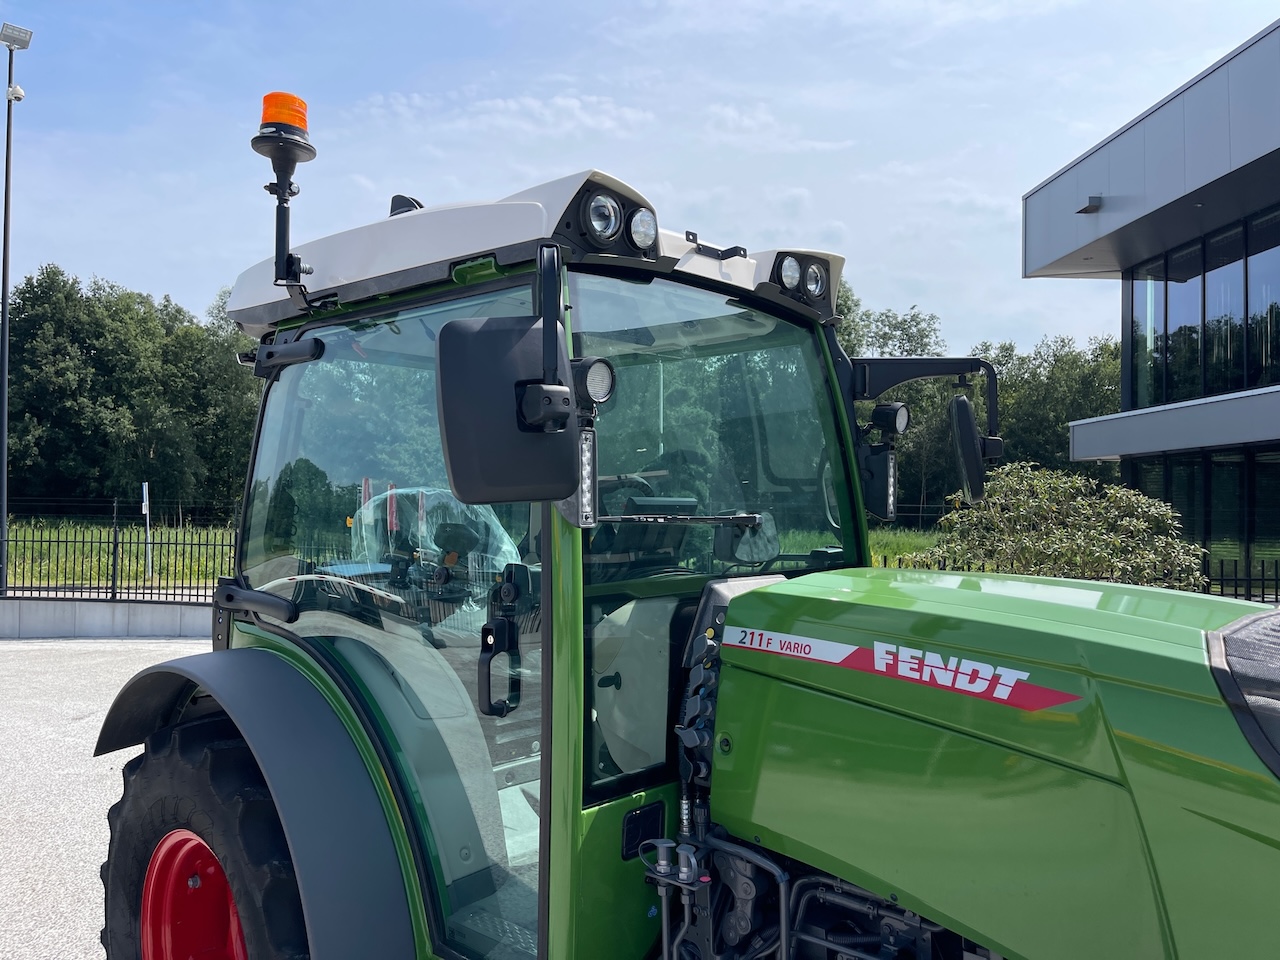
column 1026, row 660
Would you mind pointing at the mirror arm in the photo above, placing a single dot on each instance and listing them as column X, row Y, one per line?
column 874, row 376
column 550, row 292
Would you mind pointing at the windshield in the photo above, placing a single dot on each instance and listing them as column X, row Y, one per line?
column 719, row 409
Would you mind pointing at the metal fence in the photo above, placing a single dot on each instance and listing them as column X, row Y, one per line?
column 1247, row 581
column 1259, row 582
column 183, row 563
column 80, row 561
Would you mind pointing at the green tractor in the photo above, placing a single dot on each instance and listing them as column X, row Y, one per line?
column 554, row 634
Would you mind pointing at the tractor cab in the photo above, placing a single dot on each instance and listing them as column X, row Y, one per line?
column 512, row 460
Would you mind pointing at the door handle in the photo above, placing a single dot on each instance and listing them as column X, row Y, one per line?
column 498, row 636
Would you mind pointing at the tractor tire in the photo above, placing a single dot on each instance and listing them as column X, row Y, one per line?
column 198, row 864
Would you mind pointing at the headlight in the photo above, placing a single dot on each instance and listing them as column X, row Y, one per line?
column 604, row 216
column 594, row 378
column 789, row 272
column 644, row 228
column 815, row 280
column 891, row 417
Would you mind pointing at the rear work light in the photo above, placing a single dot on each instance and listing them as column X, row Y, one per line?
column 1245, row 659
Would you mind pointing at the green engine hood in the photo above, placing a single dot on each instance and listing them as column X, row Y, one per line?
column 1021, row 659
column 1047, row 766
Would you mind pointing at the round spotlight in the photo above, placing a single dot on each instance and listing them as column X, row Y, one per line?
column 644, row 228
column 891, row 418
column 815, row 280
column 789, row 272
column 604, row 217
column 594, row 378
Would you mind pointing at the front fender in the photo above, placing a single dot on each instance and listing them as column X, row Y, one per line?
column 349, row 877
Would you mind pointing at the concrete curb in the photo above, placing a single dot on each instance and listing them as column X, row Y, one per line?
column 26, row 618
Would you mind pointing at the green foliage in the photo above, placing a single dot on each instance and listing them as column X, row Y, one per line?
column 1041, row 392
column 1057, row 524
column 890, row 543
column 109, row 387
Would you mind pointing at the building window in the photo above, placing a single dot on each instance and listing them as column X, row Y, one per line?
column 1224, row 311
column 1264, row 299
column 1148, row 476
column 1227, row 501
column 1186, row 494
column 1266, row 511
column 1182, row 331
column 1148, row 331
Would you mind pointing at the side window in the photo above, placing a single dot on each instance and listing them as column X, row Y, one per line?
column 634, row 646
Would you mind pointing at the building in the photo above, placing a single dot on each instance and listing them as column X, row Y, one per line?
column 1182, row 205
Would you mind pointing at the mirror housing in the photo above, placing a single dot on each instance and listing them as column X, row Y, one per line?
column 486, row 367
column 509, row 427
column 969, row 447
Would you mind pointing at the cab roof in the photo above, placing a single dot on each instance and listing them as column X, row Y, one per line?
column 422, row 246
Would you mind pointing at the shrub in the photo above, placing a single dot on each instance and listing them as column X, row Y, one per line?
column 1056, row 524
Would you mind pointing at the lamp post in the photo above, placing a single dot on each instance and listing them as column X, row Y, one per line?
column 15, row 38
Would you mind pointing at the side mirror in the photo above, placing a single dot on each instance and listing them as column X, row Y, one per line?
column 508, row 422
column 969, row 448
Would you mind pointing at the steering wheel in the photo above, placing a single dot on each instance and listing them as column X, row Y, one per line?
column 611, row 487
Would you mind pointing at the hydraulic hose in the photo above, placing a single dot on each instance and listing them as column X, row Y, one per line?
column 687, row 899
column 663, row 892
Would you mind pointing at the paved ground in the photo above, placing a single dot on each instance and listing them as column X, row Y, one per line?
column 54, row 794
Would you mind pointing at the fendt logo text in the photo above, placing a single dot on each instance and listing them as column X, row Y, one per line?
column 973, row 678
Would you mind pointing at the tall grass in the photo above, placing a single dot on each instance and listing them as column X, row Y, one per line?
column 889, row 543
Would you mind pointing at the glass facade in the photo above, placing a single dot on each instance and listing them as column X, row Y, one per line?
column 1204, row 319
column 1263, row 352
column 1182, row 337
column 1224, row 311
column 1229, row 501
column 1147, row 331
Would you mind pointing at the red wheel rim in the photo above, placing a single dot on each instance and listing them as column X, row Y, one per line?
column 188, row 912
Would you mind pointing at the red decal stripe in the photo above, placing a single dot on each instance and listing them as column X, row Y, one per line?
column 1022, row 695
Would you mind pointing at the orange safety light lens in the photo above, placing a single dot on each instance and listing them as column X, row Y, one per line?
column 284, row 108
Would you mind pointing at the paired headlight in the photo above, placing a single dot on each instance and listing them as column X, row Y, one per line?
column 605, row 216
column 789, row 273
column 815, row 281
column 802, row 278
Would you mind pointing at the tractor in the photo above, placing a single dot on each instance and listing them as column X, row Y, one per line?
column 554, row 635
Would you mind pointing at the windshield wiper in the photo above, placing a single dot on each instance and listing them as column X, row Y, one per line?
column 737, row 519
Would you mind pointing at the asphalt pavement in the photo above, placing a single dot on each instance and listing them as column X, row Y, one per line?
column 54, row 793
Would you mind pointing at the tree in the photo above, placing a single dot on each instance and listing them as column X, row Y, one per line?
column 1041, row 392
column 1057, row 524
column 110, row 388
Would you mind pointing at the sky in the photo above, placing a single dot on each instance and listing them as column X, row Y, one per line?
column 899, row 133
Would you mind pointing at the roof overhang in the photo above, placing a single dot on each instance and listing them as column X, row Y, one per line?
column 1230, row 420
column 1204, row 157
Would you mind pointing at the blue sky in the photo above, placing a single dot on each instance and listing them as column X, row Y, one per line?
column 900, row 133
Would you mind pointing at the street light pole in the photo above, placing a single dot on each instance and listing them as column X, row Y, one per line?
column 15, row 38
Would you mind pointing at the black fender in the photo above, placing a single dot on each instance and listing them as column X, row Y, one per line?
column 349, row 877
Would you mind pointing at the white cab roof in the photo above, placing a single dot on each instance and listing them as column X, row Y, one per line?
column 399, row 246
